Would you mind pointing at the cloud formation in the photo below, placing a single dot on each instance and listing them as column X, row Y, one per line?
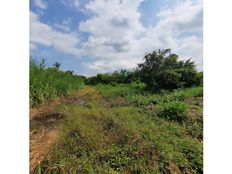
column 44, row 34
column 40, row 4
column 117, row 37
column 120, row 40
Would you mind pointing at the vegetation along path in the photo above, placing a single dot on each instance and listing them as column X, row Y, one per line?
column 118, row 129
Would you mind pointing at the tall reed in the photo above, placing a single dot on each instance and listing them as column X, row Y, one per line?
column 48, row 83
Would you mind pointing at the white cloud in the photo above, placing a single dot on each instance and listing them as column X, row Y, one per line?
column 191, row 47
column 64, row 26
column 185, row 17
column 119, row 40
column 44, row 34
column 33, row 46
column 76, row 3
column 40, row 4
column 73, row 3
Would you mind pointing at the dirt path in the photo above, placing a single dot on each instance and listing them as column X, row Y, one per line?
column 45, row 121
column 44, row 124
column 43, row 134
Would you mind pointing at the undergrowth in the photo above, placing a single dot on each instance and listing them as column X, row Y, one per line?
column 100, row 138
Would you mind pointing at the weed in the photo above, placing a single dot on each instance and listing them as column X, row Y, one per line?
column 174, row 111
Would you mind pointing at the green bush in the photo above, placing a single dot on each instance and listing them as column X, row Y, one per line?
column 161, row 70
column 123, row 76
column 174, row 110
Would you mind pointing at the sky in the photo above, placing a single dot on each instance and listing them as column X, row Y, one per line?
column 101, row 36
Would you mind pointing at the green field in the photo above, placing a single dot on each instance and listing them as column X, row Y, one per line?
column 143, row 121
column 123, row 129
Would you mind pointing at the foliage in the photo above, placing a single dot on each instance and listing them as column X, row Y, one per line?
column 122, row 90
column 200, row 78
column 122, row 76
column 97, row 137
column 162, row 70
column 123, row 139
column 48, row 83
column 137, row 94
column 57, row 65
column 175, row 111
column 120, row 125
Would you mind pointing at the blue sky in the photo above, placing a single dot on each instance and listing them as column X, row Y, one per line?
column 97, row 36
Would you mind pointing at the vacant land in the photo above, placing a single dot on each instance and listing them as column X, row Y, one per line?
column 148, row 120
column 119, row 129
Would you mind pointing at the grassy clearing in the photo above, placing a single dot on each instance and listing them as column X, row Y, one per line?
column 98, row 137
column 46, row 84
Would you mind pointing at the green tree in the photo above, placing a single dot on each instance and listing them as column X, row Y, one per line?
column 162, row 70
column 57, row 65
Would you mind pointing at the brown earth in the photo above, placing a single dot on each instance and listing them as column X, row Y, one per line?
column 43, row 134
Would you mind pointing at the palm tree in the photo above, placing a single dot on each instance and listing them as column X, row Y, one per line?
column 57, row 65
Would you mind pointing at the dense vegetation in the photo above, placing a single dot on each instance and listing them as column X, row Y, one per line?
column 148, row 120
column 161, row 70
column 123, row 76
column 47, row 83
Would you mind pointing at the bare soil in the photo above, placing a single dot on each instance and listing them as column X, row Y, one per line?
column 43, row 134
column 44, row 126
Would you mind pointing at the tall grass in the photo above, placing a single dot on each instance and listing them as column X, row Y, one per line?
column 48, row 83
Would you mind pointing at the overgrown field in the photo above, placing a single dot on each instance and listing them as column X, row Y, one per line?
column 46, row 84
column 123, row 128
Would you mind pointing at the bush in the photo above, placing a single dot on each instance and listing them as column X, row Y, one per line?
column 168, row 79
column 122, row 76
column 174, row 110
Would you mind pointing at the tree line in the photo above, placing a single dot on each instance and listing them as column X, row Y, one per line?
column 160, row 70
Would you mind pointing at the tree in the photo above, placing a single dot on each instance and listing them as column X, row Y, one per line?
column 162, row 70
column 57, row 65
column 69, row 72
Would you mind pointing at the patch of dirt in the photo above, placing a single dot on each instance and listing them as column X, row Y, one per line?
column 44, row 124
column 49, row 107
column 114, row 102
column 45, row 120
column 40, row 144
column 43, row 134
column 75, row 100
column 173, row 168
column 197, row 101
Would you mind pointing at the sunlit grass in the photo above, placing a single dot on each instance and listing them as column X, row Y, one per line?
column 46, row 84
column 99, row 138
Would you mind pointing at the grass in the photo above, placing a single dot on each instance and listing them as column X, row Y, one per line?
column 103, row 136
column 46, row 84
column 136, row 93
column 174, row 110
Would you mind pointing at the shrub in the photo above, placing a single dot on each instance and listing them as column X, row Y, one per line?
column 168, row 79
column 174, row 110
column 122, row 76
